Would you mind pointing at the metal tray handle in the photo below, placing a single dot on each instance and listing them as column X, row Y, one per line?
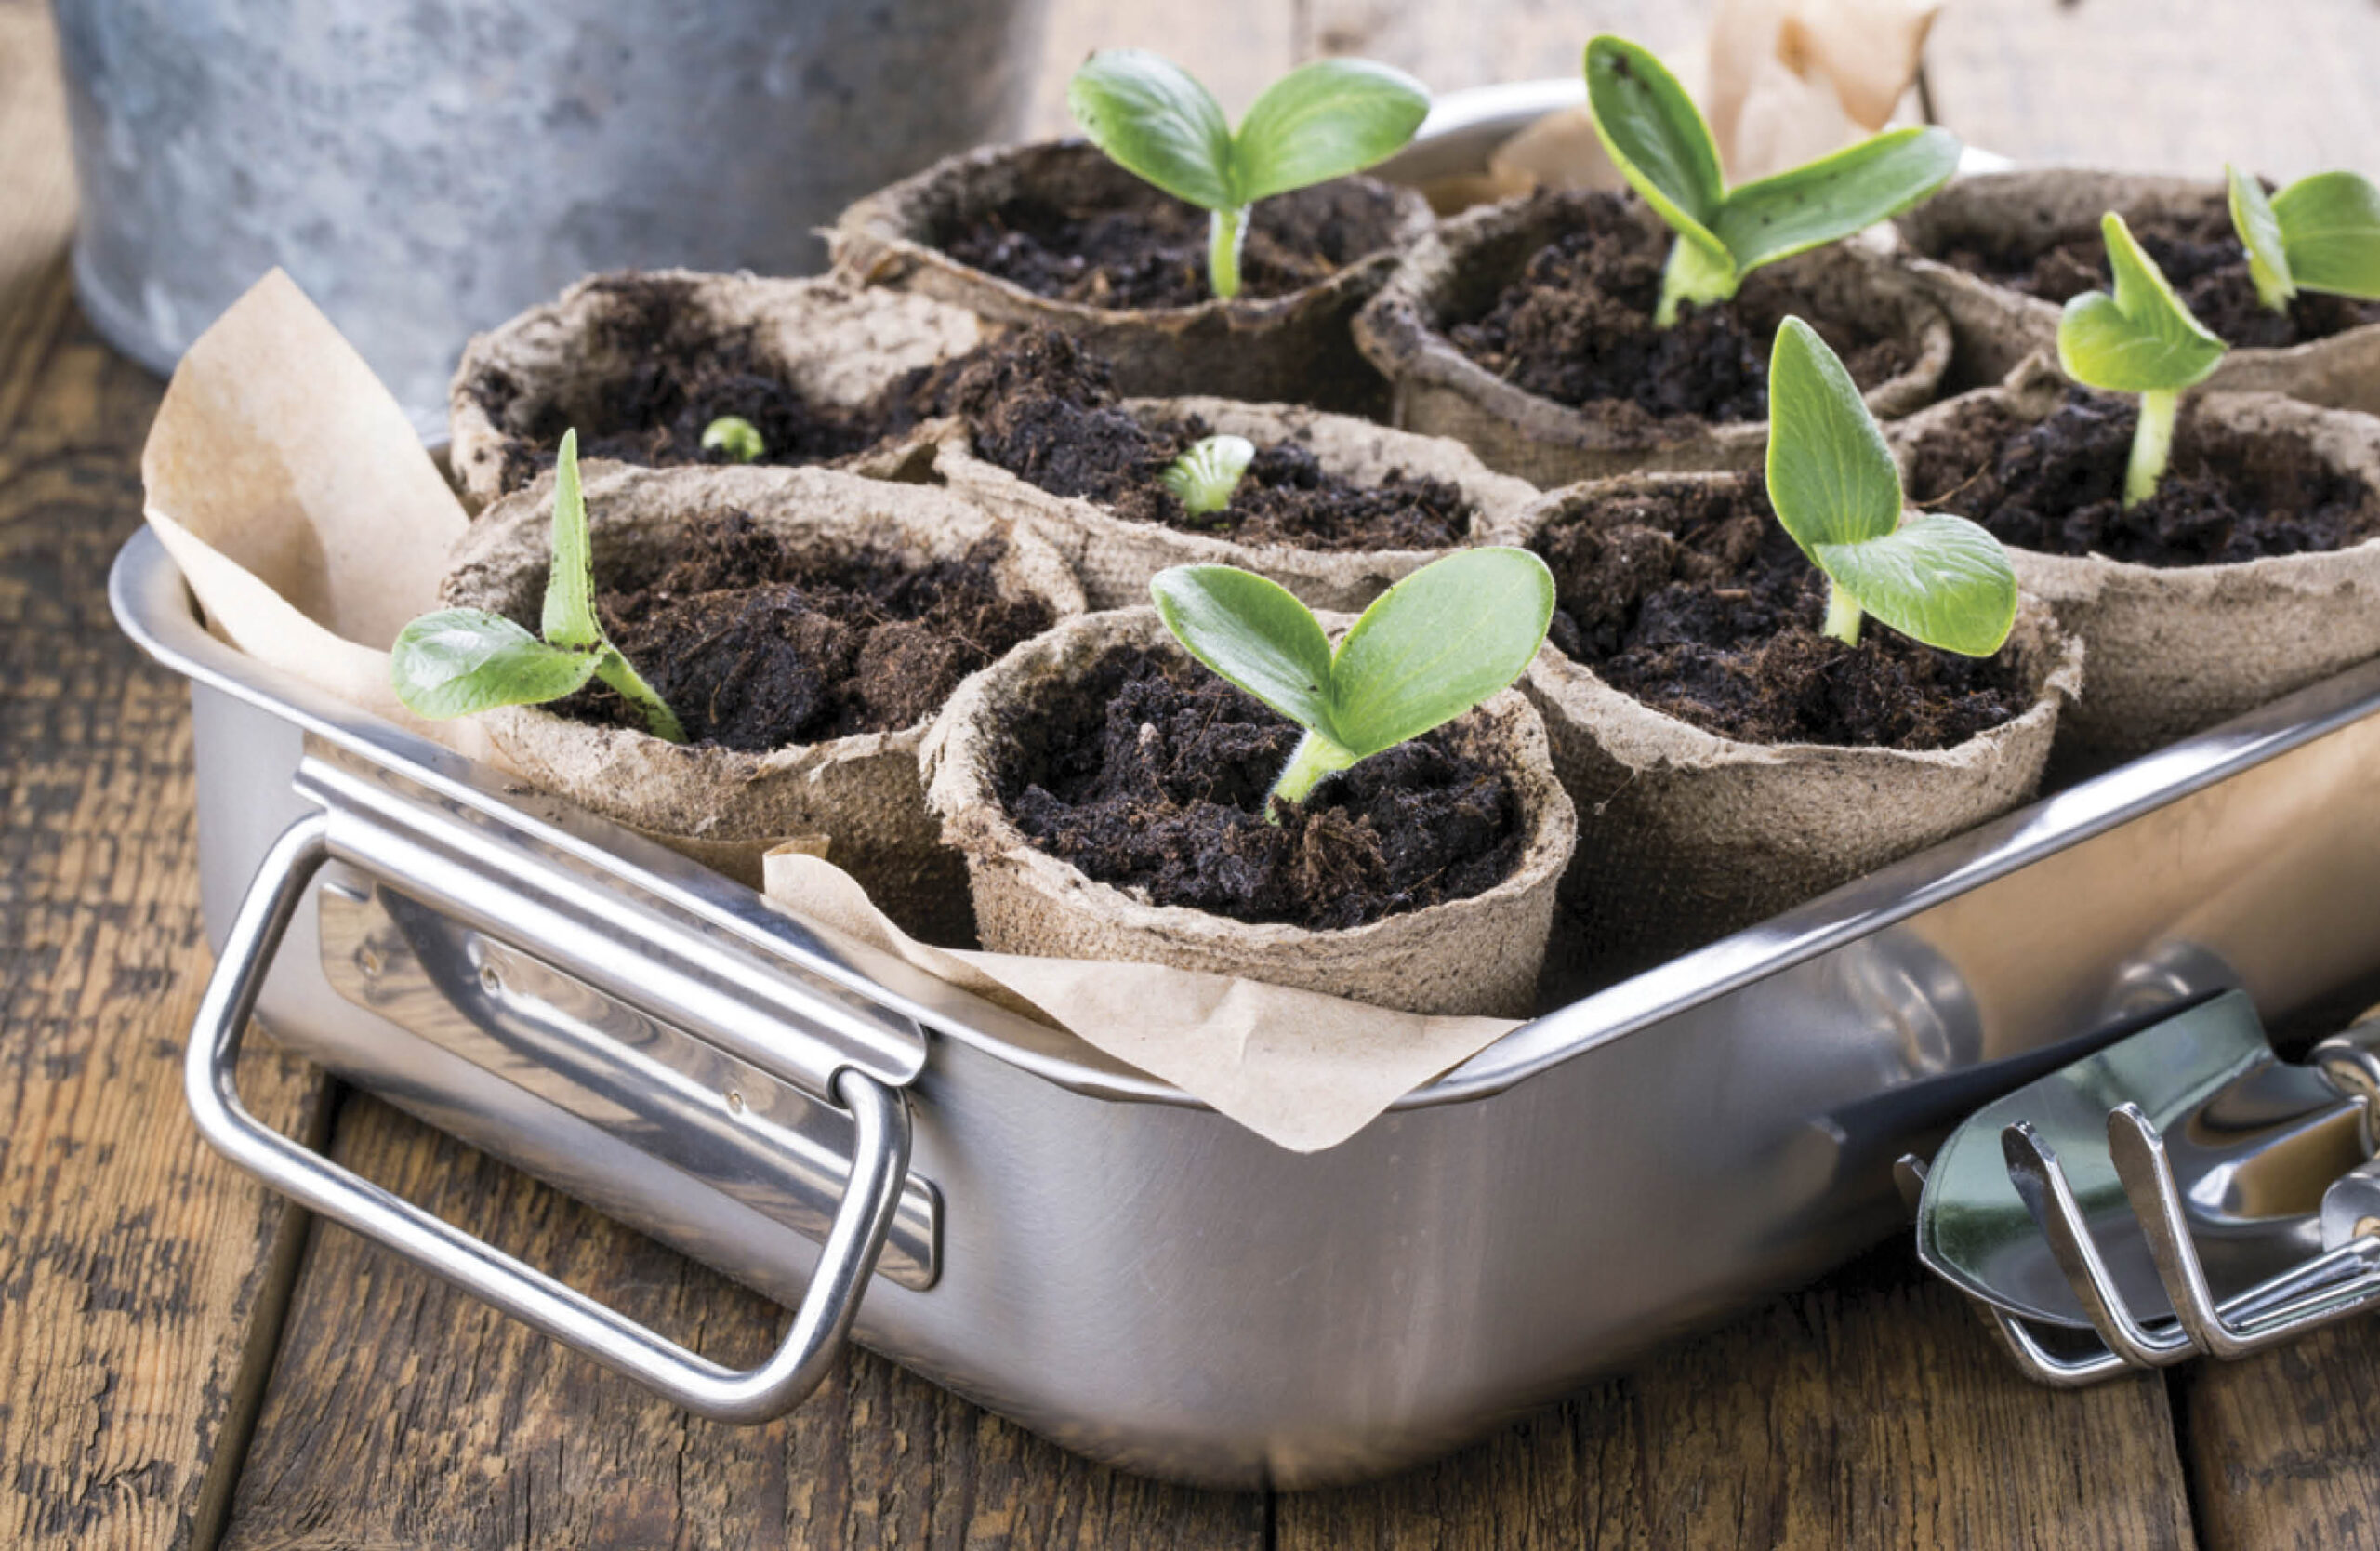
column 880, row 1156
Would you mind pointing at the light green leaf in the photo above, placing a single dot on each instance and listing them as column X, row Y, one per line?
column 2330, row 224
column 570, row 580
column 2139, row 339
column 1253, row 632
column 1936, row 578
column 2259, row 230
column 1156, row 123
column 1830, row 476
column 456, row 661
column 735, row 436
column 1204, row 478
column 1322, row 121
column 1655, row 138
column 1830, row 198
column 1436, row 644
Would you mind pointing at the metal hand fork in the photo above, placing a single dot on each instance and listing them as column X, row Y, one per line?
column 2269, row 1227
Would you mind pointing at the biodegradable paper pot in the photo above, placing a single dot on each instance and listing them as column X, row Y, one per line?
column 2177, row 649
column 1685, row 835
column 1455, row 275
column 558, row 362
column 1476, row 956
column 722, row 806
column 1116, row 556
column 1290, row 349
column 1995, row 327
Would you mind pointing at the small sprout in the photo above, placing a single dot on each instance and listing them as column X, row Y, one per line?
column 2321, row 234
column 1936, row 578
column 459, row 661
column 1204, row 478
column 1660, row 145
column 735, row 436
column 1320, row 120
column 1429, row 649
column 2140, row 338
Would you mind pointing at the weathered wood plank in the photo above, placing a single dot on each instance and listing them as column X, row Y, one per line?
column 2281, row 1446
column 133, row 1264
column 1872, row 1410
column 404, row 1413
column 2164, row 86
column 1451, row 47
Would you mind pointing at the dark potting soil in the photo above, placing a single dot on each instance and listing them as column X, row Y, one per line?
column 757, row 646
column 2056, row 486
column 1693, row 599
column 683, row 374
column 2200, row 255
column 1151, row 777
column 1045, row 410
column 1152, row 251
column 1577, row 327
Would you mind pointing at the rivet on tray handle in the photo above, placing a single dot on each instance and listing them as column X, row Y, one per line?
column 881, row 1155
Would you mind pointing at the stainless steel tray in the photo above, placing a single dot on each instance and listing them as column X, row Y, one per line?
column 1082, row 1247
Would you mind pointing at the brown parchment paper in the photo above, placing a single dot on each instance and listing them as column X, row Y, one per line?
column 1303, row 1071
column 310, row 524
column 301, row 505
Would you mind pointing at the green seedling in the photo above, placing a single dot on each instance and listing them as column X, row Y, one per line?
column 1204, row 478
column 1936, row 578
column 1660, row 145
column 459, row 661
column 2321, row 234
column 2138, row 338
column 1429, row 649
column 1320, row 120
column 735, row 436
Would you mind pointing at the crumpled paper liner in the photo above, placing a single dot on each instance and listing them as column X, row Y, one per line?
column 1995, row 328
column 727, row 807
column 280, row 471
column 833, row 343
column 1685, row 835
column 1456, row 273
column 1782, row 82
column 1284, row 350
column 1116, row 556
column 2173, row 650
column 294, row 494
column 1303, row 1071
column 1467, row 957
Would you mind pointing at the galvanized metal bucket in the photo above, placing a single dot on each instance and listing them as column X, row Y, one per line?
column 425, row 171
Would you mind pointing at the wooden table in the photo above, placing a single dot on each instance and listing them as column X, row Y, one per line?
column 185, row 1364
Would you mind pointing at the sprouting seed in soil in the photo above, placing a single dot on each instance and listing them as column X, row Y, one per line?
column 2138, row 338
column 459, row 661
column 2321, row 234
column 735, row 436
column 1203, row 478
column 1660, row 145
column 1429, row 649
column 1936, row 578
column 1320, row 120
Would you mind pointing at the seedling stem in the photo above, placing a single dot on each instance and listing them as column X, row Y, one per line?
column 2152, row 444
column 1227, row 235
column 1842, row 614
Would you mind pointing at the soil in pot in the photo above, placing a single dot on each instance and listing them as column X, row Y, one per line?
column 1152, row 778
column 2200, row 255
column 2056, row 485
column 685, row 374
column 1151, row 250
column 1708, row 612
column 757, row 646
column 1576, row 327
column 1046, row 409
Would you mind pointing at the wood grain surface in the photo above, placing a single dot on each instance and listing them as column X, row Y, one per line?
column 144, row 1284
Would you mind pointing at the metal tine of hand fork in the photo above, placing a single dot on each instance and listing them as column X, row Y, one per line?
column 2329, row 1287
column 2040, row 1180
